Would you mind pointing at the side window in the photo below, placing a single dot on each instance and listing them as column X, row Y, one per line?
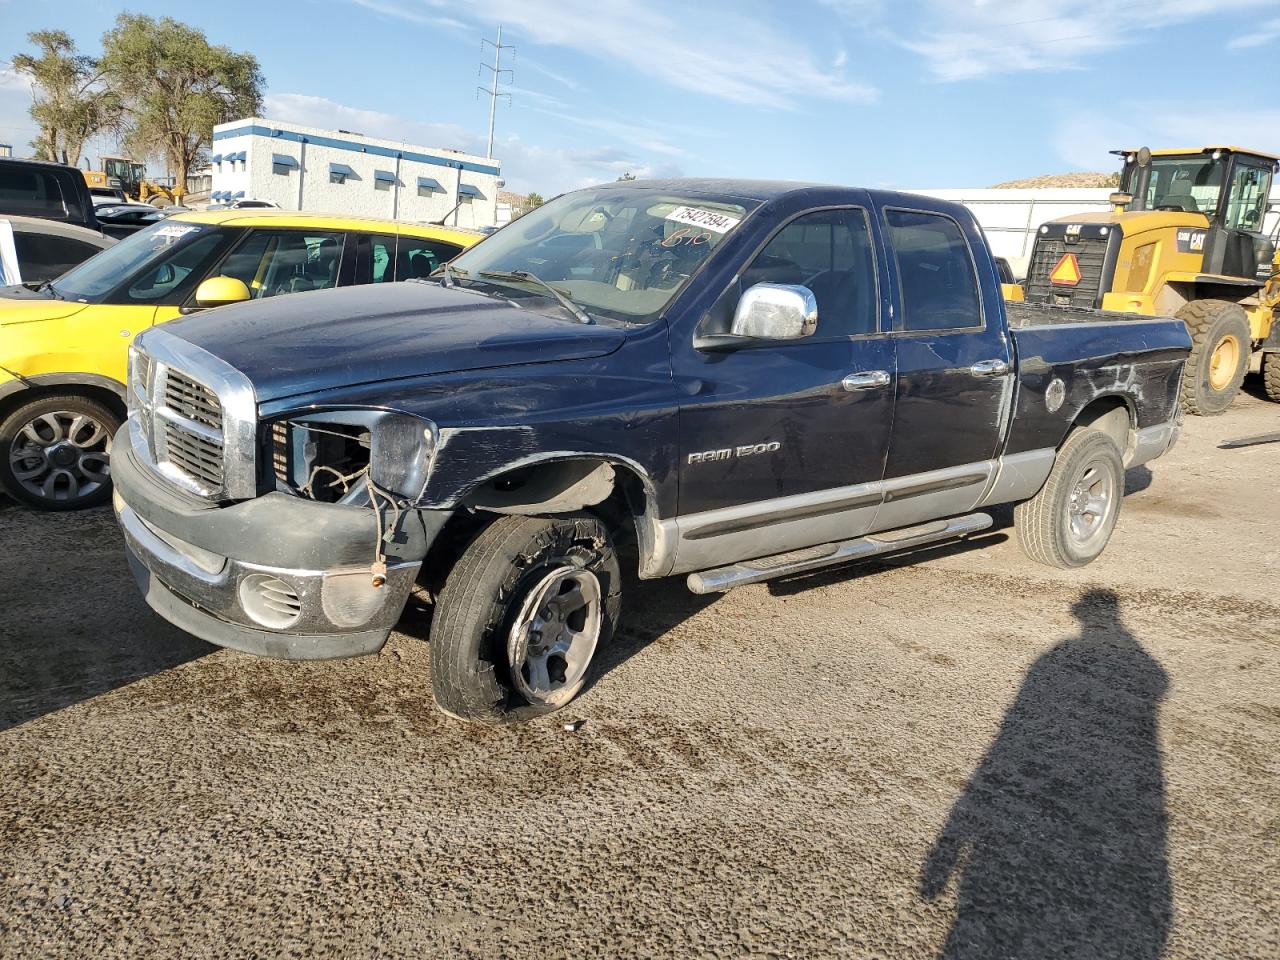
column 166, row 280
column 418, row 258
column 382, row 252
column 935, row 272
column 829, row 252
column 1247, row 199
column 275, row 262
column 45, row 257
column 31, row 192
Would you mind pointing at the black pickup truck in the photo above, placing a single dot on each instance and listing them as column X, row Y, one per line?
column 724, row 379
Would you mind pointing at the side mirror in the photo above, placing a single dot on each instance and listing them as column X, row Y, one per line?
column 219, row 291
column 775, row 311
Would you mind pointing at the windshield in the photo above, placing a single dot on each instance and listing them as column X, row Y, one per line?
column 102, row 273
column 623, row 252
column 1189, row 184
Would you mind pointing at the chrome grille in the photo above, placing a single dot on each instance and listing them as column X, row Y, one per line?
column 197, row 456
column 192, row 400
column 193, row 417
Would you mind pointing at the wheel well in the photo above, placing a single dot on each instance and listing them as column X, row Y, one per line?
column 1112, row 416
column 108, row 398
column 615, row 492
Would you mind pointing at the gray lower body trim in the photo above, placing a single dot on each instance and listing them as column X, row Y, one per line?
column 1153, row 442
column 1019, row 476
column 747, row 531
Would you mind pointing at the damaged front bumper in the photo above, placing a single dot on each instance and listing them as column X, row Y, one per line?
column 277, row 575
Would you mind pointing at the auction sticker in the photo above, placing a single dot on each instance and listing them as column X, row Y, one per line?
column 707, row 219
column 176, row 230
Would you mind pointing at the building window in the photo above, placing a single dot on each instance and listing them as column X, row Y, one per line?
column 336, row 177
column 382, row 184
column 280, row 168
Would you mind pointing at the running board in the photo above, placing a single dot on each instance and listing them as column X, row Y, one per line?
column 811, row 558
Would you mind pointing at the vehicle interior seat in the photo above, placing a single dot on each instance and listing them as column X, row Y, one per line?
column 322, row 269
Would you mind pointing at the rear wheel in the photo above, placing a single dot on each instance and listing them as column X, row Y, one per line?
column 1069, row 522
column 55, row 452
column 1271, row 375
column 522, row 616
column 1220, row 349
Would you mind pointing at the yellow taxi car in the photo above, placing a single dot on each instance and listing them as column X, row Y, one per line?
column 64, row 344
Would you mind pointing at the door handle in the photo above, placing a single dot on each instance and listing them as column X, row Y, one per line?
column 990, row 368
column 867, row 380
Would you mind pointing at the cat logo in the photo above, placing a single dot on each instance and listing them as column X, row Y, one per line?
column 1067, row 272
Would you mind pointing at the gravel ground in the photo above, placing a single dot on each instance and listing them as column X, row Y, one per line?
column 969, row 756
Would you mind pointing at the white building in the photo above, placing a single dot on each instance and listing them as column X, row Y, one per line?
column 333, row 171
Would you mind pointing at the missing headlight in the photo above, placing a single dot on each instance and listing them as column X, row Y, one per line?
column 323, row 462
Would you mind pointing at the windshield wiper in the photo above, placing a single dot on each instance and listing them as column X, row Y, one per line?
column 48, row 286
column 449, row 273
column 579, row 314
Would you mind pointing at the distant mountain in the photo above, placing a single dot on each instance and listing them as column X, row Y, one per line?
column 1078, row 180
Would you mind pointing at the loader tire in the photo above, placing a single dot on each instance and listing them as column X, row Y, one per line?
column 1220, row 350
column 1271, row 375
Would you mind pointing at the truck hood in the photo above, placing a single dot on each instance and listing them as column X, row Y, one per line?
column 335, row 338
column 21, row 305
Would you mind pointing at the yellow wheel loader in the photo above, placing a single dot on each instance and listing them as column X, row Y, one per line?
column 1185, row 238
column 131, row 176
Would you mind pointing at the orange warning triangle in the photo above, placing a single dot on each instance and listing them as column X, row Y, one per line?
column 1067, row 272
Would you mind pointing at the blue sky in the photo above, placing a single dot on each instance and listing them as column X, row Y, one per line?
column 901, row 93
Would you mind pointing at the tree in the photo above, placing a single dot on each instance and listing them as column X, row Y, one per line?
column 533, row 200
column 626, row 176
column 68, row 101
column 175, row 86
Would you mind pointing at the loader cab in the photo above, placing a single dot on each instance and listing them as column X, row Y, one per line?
column 1229, row 187
column 125, row 173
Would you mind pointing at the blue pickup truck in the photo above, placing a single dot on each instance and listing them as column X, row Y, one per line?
column 729, row 380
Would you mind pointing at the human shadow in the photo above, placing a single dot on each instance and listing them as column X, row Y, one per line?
column 1058, row 843
column 75, row 625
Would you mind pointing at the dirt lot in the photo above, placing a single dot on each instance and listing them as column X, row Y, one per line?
column 968, row 757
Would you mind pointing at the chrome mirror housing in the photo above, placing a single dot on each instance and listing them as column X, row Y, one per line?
column 776, row 311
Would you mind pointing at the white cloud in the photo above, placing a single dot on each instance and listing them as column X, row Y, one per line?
column 412, row 13
column 1261, row 36
column 738, row 57
column 525, row 166
column 1084, row 138
column 966, row 40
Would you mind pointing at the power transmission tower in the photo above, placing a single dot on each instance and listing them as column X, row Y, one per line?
column 494, row 90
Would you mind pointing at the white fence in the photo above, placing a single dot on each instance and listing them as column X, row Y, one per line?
column 1011, row 218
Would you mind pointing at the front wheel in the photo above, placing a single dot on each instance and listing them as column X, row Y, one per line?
column 1220, row 350
column 55, row 452
column 522, row 617
column 1069, row 522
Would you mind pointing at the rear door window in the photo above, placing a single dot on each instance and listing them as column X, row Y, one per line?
column 936, row 275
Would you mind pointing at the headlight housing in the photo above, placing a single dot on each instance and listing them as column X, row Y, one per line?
column 327, row 456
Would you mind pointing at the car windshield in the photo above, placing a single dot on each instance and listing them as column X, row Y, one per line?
column 621, row 252
column 102, row 273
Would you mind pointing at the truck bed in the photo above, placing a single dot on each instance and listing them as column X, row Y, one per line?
column 1045, row 315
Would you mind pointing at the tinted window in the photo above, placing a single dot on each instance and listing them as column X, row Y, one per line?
column 25, row 190
column 830, row 253
column 273, row 262
column 94, row 279
column 417, row 258
column 935, row 272
column 44, row 257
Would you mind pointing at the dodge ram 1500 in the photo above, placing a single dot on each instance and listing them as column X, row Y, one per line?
column 729, row 380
